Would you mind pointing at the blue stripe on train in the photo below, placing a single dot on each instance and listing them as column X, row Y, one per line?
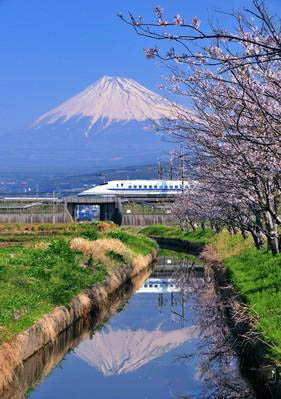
column 146, row 189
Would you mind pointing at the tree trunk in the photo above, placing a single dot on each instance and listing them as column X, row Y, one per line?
column 229, row 229
column 192, row 226
column 272, row 235
column 256, row 238
column 217, row 228
column 244, row 233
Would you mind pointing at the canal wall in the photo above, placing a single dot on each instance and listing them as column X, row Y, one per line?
column 41, row 364
column 46, row 330
column 252, row 350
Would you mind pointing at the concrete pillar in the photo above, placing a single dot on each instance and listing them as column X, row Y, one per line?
column 117, row 216
column 106, row 211
column 71, row 210
column 111, row 211
column 103, row 212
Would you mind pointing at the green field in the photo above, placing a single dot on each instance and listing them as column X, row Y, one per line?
column 39, row 270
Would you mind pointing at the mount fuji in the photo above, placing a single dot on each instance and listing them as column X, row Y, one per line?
column 109, row 123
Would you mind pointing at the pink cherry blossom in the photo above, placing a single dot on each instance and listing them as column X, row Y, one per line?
column 196, row 22
column 150, row 53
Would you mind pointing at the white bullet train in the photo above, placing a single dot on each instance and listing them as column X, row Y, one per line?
column 131, row 187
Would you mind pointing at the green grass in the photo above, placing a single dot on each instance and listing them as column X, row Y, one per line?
column 198, row 236
column 137, row 243
column 257, row 276
column 228, row 245
column 116, row 257
column 40, row 273
column 35, row 281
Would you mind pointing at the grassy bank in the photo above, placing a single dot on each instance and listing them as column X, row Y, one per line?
column 54, row 264
column 256, row 274
column 198, row 236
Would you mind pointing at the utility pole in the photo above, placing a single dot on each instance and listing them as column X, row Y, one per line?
column 53, row 209
column 160, row 170
column 182, row 167
column 172, row 158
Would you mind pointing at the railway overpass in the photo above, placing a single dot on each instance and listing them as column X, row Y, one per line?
column 111, row 206
column 63, row 210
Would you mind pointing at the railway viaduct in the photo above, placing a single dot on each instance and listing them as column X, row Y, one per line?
column 111, row 206
column 63, row 210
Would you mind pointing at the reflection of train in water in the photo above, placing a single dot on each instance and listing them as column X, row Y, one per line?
column 159, row 286
column 143, row 187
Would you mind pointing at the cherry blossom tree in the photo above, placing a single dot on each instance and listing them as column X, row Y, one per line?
column 233, row 127
column 262, row 37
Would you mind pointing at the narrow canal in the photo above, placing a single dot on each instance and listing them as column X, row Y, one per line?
column 167, row 340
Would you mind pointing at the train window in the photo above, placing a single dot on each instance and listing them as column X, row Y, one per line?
column 145, row 285
column 176, row 186
column 121, row 184
column 155, row 186
column 150, row 186
column 144, row 186
column 171, row 186
column 135, row 186
column 166, row 187
column 151, row 285
column 130, row 186
column 117, row 185
column 140, row 186
column 155, row 285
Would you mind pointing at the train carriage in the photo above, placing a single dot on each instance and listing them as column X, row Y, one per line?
column 139, row 187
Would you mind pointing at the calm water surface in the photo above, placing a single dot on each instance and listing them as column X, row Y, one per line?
column 156, row 346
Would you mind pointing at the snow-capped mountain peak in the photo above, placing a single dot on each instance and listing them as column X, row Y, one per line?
column 110, row 99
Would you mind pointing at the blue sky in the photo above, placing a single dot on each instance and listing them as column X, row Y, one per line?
column 50, row 50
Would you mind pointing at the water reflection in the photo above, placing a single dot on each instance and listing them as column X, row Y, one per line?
column 218, row 365
column 123, row 351
column 167, row 341
column 41, row 364
column 158, row 286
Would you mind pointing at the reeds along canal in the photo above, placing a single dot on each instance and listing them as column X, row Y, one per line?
column 162, row 336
